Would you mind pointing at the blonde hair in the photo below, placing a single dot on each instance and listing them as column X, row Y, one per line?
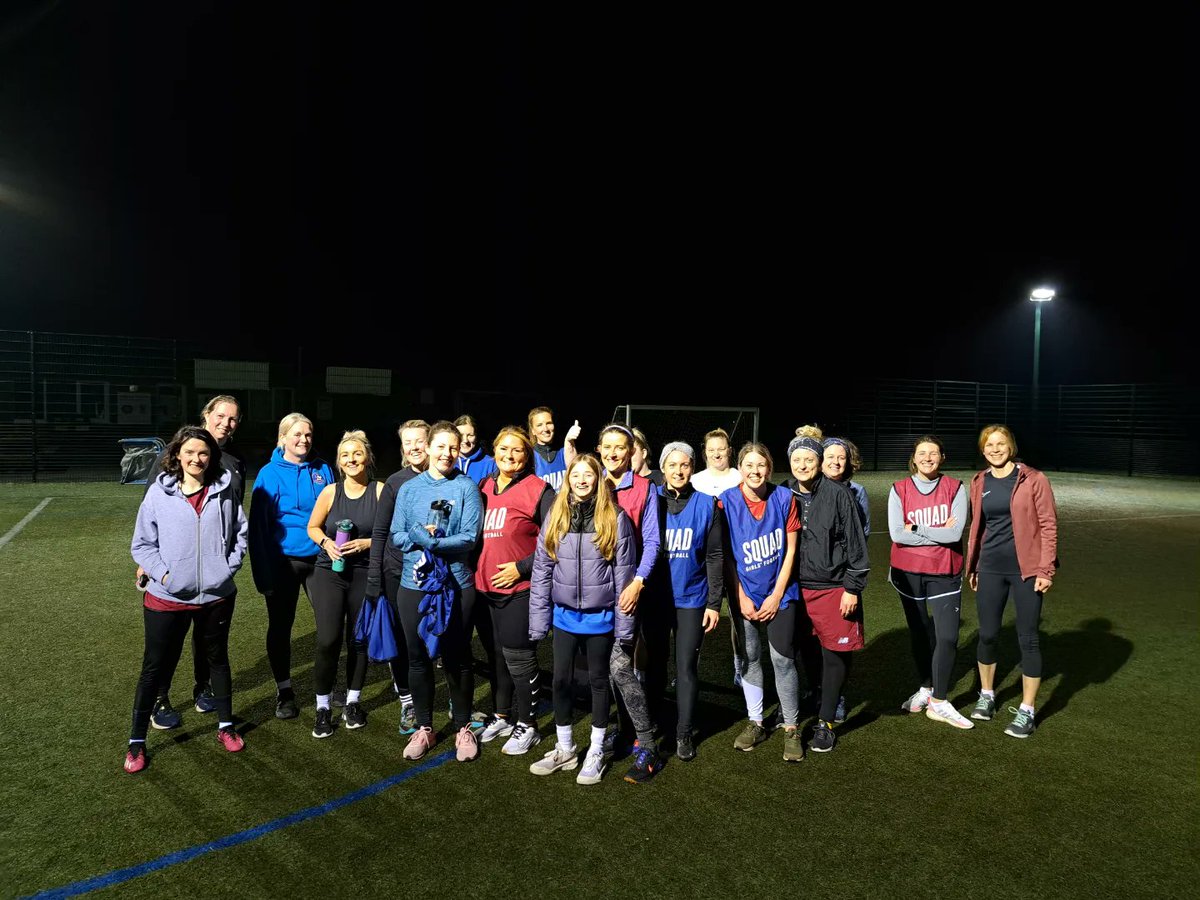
column 810, row 431
column 537, row 411
column 286, row 423
column 989, row 430
column 420, row 424
column 359, row 436
column 639, row 439
column 217, row 401
column 717, row 433
column 521, row 435
column 604, row 518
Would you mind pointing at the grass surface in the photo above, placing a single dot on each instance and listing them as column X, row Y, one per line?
column 1101, row 801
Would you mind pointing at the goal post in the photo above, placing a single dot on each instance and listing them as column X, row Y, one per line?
column 663, row 424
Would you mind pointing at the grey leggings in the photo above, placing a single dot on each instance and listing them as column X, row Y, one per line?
column 620, row 665
column 780, row 638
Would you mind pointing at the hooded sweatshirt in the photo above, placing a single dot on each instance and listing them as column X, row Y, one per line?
column 476, row 465
column 198, row 554
column 283, row 500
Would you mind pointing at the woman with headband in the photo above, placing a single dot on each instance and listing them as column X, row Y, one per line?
column 695, row 558
column 832, row 569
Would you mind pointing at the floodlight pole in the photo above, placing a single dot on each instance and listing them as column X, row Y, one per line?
column 1038, row 296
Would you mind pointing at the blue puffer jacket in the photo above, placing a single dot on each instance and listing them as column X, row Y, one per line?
column 582, row 579
column 201, row 553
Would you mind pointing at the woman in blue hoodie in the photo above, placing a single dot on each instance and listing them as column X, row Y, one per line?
column 189, row 541
column 438, row 571
column 282, row 554
column 472, row 461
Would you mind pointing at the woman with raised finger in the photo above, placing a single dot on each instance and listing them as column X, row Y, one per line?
column 339, row 580
column 1013, row 550
column 550, row 464
column 694, row 555
column 926, row 515
column 763, row 525
column 282, row 554
column 516, row 504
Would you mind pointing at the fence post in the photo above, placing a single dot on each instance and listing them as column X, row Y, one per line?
column 33, row 411
column 1132, row 423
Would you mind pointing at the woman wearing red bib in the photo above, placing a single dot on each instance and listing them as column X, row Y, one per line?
column 926, row 515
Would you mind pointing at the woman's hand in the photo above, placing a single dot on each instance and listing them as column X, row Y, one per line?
column 629, row 597
column 973, row 581
column 849, row 604
column 421, row 536
column 950, row 522
column 358, row 545
column 1041, row 585
column 506, row 575
column 769, row 607
column 746, row 605
column 711, row 618
column 329, row 545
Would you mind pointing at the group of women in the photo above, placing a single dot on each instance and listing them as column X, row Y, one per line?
column 535, row 539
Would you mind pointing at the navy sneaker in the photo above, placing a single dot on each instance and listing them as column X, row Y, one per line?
column 646, row 763
column 164, row 717
column 823, row 739
column 203, row 699
column 285, row 704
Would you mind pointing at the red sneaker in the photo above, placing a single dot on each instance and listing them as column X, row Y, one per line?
column 230, row 739
column 135, row 759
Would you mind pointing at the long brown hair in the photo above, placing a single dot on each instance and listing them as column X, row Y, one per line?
column 604, row 518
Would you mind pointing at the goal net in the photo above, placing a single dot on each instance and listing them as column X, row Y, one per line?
column 663, row 424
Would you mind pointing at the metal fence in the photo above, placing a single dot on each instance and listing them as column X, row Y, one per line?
column 1129, row 429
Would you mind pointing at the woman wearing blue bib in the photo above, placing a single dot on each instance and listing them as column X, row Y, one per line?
column 762, row 538
column 694, row 554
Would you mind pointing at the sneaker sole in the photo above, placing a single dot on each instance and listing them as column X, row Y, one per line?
column 406, row 731
column 286, row 714
column 820, row 749
column 353, row 726
column 323, row 735
column 520, row 752
column 565, row 767
column 964, row 725
column 581, row 779
column 1014, row 734
column 488, row 738
column 155, row 725
column 980, row 717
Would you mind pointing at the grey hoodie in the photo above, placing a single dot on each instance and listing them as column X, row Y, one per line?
column 198, row 555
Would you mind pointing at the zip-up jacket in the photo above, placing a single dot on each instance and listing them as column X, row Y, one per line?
column 198, row 554
column 832, row 551
column 462, row 525
column 582, row 579
column 283, row 500
column 1034, row 523
column 476, row 465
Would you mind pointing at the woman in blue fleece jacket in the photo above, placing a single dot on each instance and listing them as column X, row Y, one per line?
column 439, row 498
column 282, row 555
column 189, row 540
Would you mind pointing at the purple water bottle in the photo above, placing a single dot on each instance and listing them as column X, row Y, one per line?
column 344, row 529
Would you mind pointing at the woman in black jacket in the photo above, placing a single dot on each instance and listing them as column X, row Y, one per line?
column 832, row 569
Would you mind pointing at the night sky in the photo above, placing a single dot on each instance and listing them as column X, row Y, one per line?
column 617, row 202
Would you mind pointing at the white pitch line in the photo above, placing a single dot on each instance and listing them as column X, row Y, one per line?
column 1133, row 518
column 16, row 529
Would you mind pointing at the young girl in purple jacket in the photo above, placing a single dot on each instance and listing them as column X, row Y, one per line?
column 586, row 555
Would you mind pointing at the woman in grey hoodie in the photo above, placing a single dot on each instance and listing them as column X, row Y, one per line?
column 189, row 540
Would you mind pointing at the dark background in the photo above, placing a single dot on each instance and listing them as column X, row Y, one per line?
column 606, row 205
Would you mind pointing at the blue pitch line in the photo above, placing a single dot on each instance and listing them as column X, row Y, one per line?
column 241, row 837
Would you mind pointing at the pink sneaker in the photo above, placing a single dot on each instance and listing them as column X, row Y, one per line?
column 466, row 744
column 420, row 743
column 230, row 739
column 135, row 759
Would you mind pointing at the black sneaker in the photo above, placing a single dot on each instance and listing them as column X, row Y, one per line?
column 203, row 700
column 164, row 717
column 285, row 705
column 354, row 716
column 646, row 764
column 324, row 726
column 823, row 739
column 685, row 749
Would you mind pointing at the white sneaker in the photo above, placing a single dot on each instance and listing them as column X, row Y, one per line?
column 943, row 711
column 524, row 738
column 497, row 728
column 917, row 701
column 559, row 758
column 593, row 767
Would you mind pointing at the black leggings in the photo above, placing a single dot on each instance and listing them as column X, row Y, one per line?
column 399, row 665
column 452, row 648
column 199, row 668
column 515, row 667
column 991, row 598
column 480, row 621
column 164, row 636
column 336, row 599
column 291, row 573
column 689, row 636
column 598, row 648
column 932, row 605
column 835, row 669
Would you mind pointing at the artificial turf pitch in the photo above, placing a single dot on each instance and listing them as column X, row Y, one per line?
column 1101, row 801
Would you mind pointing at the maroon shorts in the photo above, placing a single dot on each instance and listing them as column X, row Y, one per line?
column 833, row 630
